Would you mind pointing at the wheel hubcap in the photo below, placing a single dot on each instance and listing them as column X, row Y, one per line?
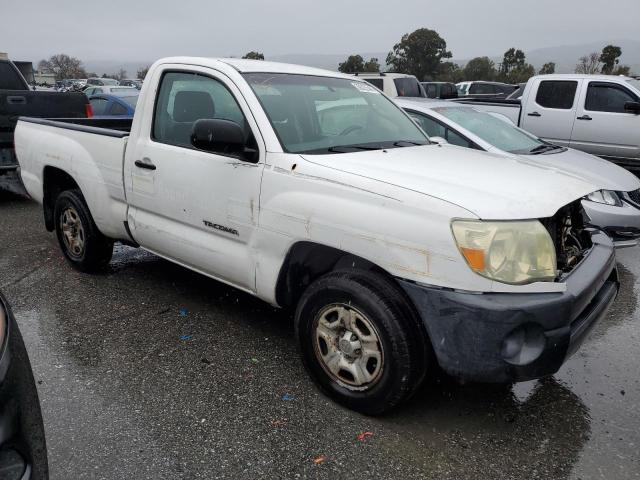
column 348, row 346
column 72, row 232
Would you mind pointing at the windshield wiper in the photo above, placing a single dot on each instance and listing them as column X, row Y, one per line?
column 341, row 148
column 543, row 148
column 403, row 143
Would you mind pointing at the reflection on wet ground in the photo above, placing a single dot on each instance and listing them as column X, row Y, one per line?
column 152, row 371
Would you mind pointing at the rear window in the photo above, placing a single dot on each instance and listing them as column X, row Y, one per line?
column 556, row 94
column 10, row 79
column 407, row 87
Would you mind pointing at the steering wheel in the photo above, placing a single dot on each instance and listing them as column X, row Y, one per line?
column 351, row 129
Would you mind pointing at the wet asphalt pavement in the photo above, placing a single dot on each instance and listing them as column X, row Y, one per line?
column 151, row 371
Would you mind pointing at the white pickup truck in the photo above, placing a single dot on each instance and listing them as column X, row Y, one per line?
column 313, row 190
column 598, row 114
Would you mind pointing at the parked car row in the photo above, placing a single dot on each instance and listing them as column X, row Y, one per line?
column 478, row 261
column 598, row 114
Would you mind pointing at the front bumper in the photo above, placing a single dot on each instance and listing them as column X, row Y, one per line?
column 23, row 453
column 620, row 223
column 502, row 337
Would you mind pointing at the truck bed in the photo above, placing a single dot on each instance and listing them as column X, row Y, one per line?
column 91, row 151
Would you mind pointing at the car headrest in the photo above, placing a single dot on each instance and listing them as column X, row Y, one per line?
column 192, row 106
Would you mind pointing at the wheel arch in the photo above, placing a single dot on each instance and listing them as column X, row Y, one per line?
column 54, row 181
column 307, row 261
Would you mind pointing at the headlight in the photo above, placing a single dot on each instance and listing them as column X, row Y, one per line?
column 514, row 252
column 607, row 197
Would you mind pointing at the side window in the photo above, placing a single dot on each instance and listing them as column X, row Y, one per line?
column 98, row 105
column 607, row 97
column 431, row 91
column 184, row 98
column 429, row 125
column 556, row 94
column 117, row 109
column 455, row 139
column 376, row 82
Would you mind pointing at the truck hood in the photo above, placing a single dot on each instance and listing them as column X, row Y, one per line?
column 492, row 187
column 604, row 174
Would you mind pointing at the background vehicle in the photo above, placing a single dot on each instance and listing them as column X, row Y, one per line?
column 99, row 82
column 23, row 450
column 113, row 105
column 131, row 83
column 442, row 90
column 616, row 210
column 484, row 89
column 394, row 84
column 254, row 173
column 517, row 93
column 111, row 90
column 598, row 114
column 17, row 99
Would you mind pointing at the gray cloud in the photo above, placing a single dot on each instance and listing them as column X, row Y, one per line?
column 143, row 30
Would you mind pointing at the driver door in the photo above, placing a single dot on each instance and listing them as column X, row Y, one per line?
column 195, row 207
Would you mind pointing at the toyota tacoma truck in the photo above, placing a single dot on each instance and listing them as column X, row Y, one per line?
column 16, row 99
column 312, row 190
column 598, row 114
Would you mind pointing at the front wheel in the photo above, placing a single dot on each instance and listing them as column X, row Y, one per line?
column 361, row 341
column 84, row 246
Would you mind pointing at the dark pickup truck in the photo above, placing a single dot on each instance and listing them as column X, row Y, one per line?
column 16, row 99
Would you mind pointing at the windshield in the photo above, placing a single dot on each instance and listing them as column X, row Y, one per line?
column 492, row 130
column 331, row 115
column 108, row 81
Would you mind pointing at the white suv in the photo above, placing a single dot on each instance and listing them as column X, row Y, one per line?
column 394, row 84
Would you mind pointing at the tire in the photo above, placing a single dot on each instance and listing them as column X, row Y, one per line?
column 393, row 372
column 88, row 250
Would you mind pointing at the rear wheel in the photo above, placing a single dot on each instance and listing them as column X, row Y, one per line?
column 84, row 246
column 361, row 341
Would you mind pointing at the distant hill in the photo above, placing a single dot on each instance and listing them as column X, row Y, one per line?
column 565, row 56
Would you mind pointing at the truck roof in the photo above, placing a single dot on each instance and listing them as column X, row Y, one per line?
column 255, row 66
column 581, row 76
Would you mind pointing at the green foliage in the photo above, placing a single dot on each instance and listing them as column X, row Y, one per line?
column 480, row 68
column 419, row 53
column 355, row 63
column 610, row 57
column 254, row 56
column 450, row 72
column 514, row 68
column 548, row 68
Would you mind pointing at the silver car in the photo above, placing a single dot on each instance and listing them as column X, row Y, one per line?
column 615, row 209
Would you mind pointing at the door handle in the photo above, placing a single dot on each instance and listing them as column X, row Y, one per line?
column 585, row 117
column 146, row 165
column 534, row 114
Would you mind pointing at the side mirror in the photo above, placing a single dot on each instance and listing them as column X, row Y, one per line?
column 224, row 137
column 632, row 107
column 438, row 140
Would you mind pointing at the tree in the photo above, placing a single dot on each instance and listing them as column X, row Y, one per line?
column 142, row 72
column 63, row 66
column 514, row 68
column 548, row 68
column 450, row 72
column 622, row 70
column 480, row 68
column 254, row 56
column 419, row 53
column 609, row 58
column 355, row 63
column 589, row 64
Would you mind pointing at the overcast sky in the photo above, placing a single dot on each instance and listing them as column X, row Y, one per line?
column 144, row 30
